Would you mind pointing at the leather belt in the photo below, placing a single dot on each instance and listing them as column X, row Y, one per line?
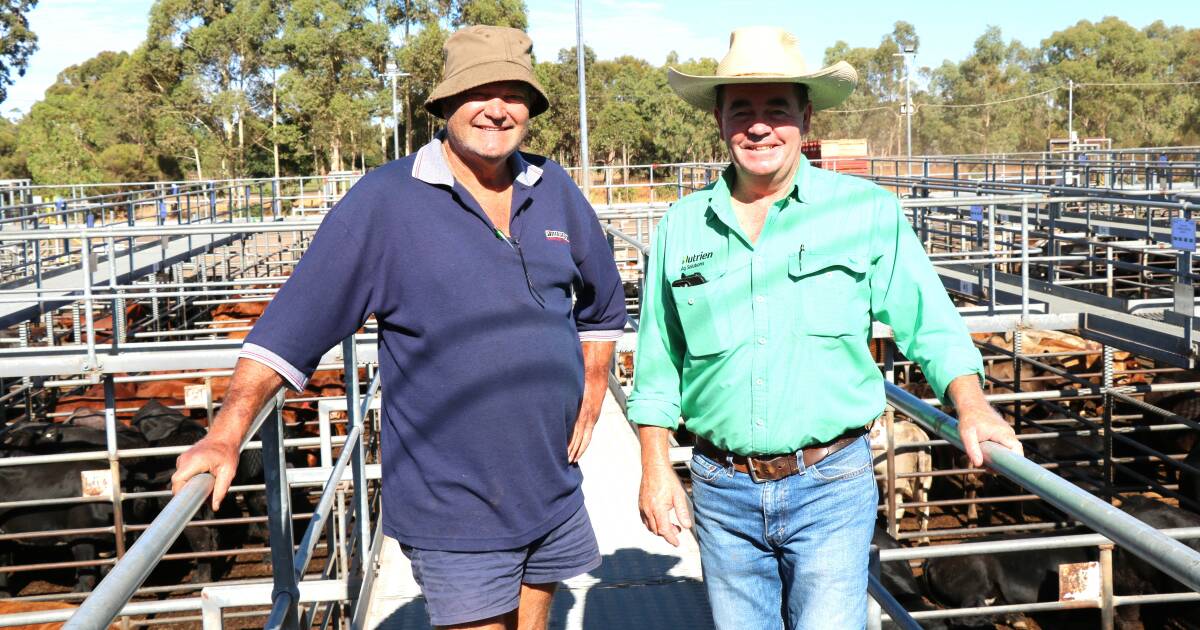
column 779, row 467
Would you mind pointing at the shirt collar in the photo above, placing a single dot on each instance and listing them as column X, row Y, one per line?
column 721, row 193
column 430, row 165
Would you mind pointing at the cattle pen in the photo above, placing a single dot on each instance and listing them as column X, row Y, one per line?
column 1073, row 271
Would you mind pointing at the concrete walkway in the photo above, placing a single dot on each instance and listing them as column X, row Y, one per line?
column 643, row 584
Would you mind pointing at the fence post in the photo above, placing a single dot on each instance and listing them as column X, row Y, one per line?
column 279, row 513
column 874, row 610
column 353, row 418
column 1107, row 610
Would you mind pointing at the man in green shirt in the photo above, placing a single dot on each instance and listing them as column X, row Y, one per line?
column 758, row 304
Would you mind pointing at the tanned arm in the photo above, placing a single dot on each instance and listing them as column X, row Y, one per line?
column 977, row 420
column 597, row 360
column 253, row 384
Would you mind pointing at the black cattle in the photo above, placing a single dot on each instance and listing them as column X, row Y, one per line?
column 1189, row 483
column 1032, row 576
column 1006, row 578
column 1134, row 576
column 52, row 481
column 1174, row 442
column 163, row 426
column 898, row 579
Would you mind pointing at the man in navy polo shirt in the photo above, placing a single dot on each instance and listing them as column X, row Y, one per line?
column 498, row 304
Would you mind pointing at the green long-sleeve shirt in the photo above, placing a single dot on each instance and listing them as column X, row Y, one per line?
column 769, row 354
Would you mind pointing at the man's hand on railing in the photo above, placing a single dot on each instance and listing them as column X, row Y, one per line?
column 978, row 421
column 211, row 454
column 252, row 385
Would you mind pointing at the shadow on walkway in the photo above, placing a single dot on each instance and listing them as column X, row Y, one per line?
column 634, row 593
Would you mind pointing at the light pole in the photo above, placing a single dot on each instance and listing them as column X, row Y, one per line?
column 585, row 179
column 908, row 52
column 393, row 73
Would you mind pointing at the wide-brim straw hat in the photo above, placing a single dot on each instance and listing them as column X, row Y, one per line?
column 766, row 54
column 477, row 55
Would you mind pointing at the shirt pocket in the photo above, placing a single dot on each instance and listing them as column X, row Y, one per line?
column 704, row 320
column 830, row 293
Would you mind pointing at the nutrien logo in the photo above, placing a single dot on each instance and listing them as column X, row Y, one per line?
column 555, row 235
column 695, row 260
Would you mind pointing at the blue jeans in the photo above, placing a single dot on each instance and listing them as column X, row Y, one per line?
column 790, row 553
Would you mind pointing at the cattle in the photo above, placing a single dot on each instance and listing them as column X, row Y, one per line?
column 92, row 397
column 1135, row 576
column 908, row 460
column 897, row 578
column 1032, row 576
column 13, row 607
column 57, row 480
column 1189, row 483
column 1170, row 443
column 163, row 426
column 1005, row 578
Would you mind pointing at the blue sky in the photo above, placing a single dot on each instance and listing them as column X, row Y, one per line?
column 71, row 31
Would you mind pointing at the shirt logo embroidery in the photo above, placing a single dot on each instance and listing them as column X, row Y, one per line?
column 557, row 235
column 692, row 261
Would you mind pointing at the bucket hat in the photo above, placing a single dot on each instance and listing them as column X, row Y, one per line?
column 477, row 55
column 766, row 54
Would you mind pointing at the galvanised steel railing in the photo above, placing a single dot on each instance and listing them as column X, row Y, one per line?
column 114, row 591
column 1169, row 555
column 111, row 596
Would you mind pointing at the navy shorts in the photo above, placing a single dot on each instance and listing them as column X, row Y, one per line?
column 462, row 586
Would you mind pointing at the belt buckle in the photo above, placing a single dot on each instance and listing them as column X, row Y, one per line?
column 754, row 473
column 752, row 470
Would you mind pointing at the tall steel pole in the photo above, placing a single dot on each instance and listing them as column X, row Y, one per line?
column 274, row 125
column 583, row 126
column 1071, row 114
column 908, row 107
column 393, row 72
column 395, row 121
column 407, row 87
column 906, row 53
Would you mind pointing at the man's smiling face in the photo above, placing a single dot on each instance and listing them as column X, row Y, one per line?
column 762, row 124
column 488, row 122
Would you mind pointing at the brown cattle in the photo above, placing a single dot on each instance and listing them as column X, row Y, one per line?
column 93, row 398
column 12, row 607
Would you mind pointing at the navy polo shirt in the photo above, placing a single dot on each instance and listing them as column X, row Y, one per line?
column 479, row 354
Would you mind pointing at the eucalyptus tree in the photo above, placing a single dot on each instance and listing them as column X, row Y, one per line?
column 873, row 110
column 17, row 42
column 85, row 129
column 1108, row 59
column 221, row 50
column 329, row 50
column 985, row 101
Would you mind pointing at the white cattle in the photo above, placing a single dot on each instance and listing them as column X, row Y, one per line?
column 908, row 460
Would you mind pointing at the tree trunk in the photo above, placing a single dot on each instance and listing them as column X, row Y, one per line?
column 241, row 161
column 199, row 171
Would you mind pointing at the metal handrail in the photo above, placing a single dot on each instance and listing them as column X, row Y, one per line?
column 900, row 616
column 641, row 247
column 1169, row 555
column 115, row 590
column 308, row 542
column 284, row 597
